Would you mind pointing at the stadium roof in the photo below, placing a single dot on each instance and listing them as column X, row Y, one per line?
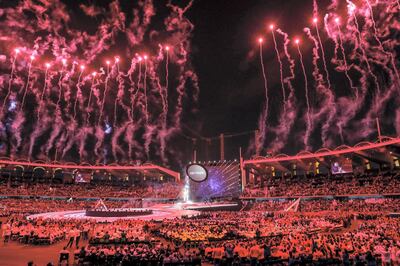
column 381, row 151
column 146, row 168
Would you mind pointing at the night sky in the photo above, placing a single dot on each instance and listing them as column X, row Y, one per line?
column 225, row 54
column 223, row 51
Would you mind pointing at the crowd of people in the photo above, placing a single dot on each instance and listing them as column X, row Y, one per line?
column 147, row 190
column 10, row 206
column 325, row 231
column 347, row 184
column 298, row 230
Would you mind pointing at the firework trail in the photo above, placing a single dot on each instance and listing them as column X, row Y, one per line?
column 129, row 137
column 162, row 121
column 88, row 108
column 166, row 69
column 130, row 75
column 104, row 94
column 323, row 54
column 68, row 139
column 346, row 67
column 120, row 93
column 352, row 8
column 27, row 82
column 182, row 29
column 327, row 106
column 59, row 124
column 60, row 87
column 78, row 90
column 43, row 91
column 280, row 68
column 309, row 122
column 375, row 33
column 116, row 148
column 146, row 114
column 348, row 107
column 138, row 81
column 10, row 81
column 263, row 120
column 150, row 130
column 165, row 102
column 382, row 61
column 101, row 132
column 20, row 118
column 287, row 118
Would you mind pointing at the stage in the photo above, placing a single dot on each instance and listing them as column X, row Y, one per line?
column 158, row 212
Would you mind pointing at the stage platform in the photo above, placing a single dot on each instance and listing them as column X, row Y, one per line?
column 158, row 212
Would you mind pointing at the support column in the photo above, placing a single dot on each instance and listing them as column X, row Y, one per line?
column 195, row 156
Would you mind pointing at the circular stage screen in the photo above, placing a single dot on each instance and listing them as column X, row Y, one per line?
column 197, row 172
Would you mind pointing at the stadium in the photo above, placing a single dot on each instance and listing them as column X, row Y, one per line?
column 198, row 133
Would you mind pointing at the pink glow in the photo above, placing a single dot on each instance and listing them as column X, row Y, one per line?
column 315, row 20
column 47, row 65
column 352, row 8
column 271, row 26
column 297, row 41
column 82, row 67
column 16, row 50
column 260, row 40
column 108, row 62
column 167, row 48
